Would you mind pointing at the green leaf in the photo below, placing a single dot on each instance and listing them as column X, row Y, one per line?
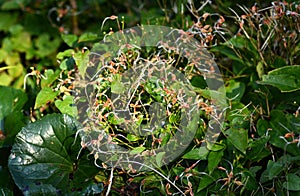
column 199, row 81
column 132, row 138
column 215, row 146
column 66, row 106
column 235, row 90
column 260, row 69
column 238, row 137
column 285, row 78
column 46, row 45
column 82, row 60
column 137, row 150
column 88, row 37
column 196, row 154
column 67, row 64
column 281, row 125
column 159, row 158
column 44, row 96
column 205, row 181
column 50, row 77
column 292, row 183
column 25, row 39
column 11, row 100
column 258, row 149
column 116, row 85
column 272, row 171
column 64, row 54
column 214, row 158
column 12, row 125
column 69, row 39
column 43, row 158
column 7, row 20
column 5, row 79
column 227, row 52
column 3, row 55
column 14, row 5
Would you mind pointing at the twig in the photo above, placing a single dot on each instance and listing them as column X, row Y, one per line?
column 74, row 17
column 110, row 181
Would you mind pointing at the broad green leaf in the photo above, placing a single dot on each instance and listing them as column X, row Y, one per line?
column 280, row 125
column 16, row 29
column 16, row 70
column 199, row 81
column 215, row 146
column 44, row 96
column 258, row 149
column 24, row 38
column 137, row 150
column 292, row 183
column 50, row 77
column 196, row 154
column 227, row 52
column 5, row 79
column 69, row 39
column 14, row 5
column 67, row 64
column 262, row 127
column 13, row 123
column 285, row 78
column 159, row 158
column 88, row 37
column 64, row 54
column 12, row 59
column 43, row 158
column 46, row 45
column 11, row 100
column 205, row 181
column 272, row 171
column 66, row 106
column 238, row 137
column 3, row 55
column 116, row 85
column 214, row 158
column 250, row 181
column 82, row 61
column 7, row 20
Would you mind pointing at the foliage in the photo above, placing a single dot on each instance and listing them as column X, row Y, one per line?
column 44, row 44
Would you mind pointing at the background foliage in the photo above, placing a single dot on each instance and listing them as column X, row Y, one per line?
column 255, row 44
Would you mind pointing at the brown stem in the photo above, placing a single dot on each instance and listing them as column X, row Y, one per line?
column 74, row 17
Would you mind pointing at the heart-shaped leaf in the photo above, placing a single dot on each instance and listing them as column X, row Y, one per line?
column 43, row 158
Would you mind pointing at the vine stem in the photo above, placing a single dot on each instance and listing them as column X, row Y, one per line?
column 159, row 173
column 110, row 181
column 74, row 17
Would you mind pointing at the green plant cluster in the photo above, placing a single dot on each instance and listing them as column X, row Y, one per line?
column 46, row 44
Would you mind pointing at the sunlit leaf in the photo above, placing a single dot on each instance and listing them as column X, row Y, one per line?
column 45, row 95
column 69, row 39
column 66, row 106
